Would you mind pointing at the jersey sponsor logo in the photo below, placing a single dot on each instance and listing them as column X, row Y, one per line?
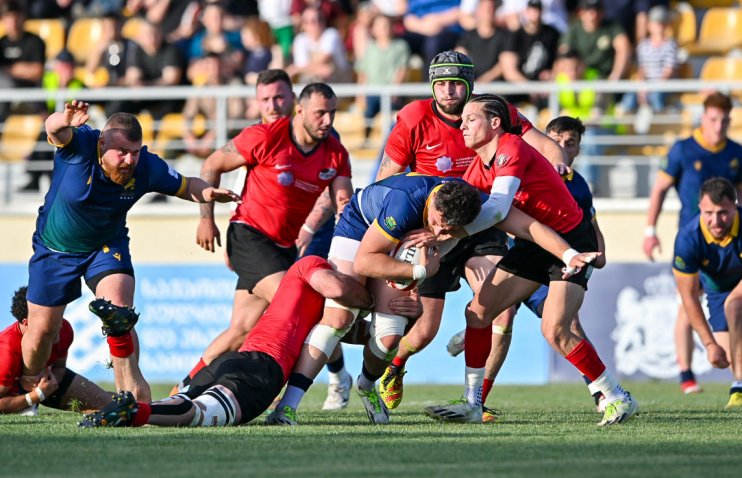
column 285, row 179
column 704, row 263
column 390, row 223
column 444, row 164
column 734, row 165
column 130, row 185
column 647, row 346
column 172, row 172
column 327, row 174
column 697, row 165
column 679, row 263
column 502, row 159
column 117, row 256
column 431, row 147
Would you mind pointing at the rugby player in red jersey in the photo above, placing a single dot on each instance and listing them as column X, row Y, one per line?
column 515, row 174
column 58, row 387
column 238, row 386
column 427, row 139
column 290, row 161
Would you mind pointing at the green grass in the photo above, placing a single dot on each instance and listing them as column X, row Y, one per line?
column 544, row 432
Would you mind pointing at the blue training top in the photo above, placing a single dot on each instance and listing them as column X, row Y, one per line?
column 395, row 205
column 719, row 260
column 84, row 209
column 690, row 163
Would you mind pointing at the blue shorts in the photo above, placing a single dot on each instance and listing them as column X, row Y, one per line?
column 54, row 277
column 536, row 302
column 320, row 244
column 352, row 223
column 717, row 318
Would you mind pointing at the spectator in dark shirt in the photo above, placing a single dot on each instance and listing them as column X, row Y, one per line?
column 529, row 52
column 22, row 54
column 484, row 44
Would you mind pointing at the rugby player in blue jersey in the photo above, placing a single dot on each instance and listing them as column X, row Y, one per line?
column 81, row 233
column 708, row 250
column 707, row 153
column 371, row 226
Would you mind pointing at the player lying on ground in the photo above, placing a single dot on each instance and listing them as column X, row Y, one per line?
column 59, row 387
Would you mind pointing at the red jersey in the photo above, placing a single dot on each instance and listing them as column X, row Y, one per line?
column 428, row 143
column 283, row 183
column 287, row 321
column 11, row 357
column 542, row 193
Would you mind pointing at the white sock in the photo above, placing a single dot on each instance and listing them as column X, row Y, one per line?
column 607, row 384
column 737, row 384
column 336, row 377
column 473, row 390
column 592, row 388
column 291, row 397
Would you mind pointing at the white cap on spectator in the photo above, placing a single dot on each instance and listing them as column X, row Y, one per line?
column 659, row 14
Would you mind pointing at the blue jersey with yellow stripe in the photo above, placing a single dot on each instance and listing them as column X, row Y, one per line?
column 84, row 209
column 395, row 205
column 696, row 250
column 690, row 162
column 580, row 190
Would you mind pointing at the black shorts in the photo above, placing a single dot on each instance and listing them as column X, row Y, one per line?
column 55, row 400
column 529, row 261
column 253, row 256
column 490, row 242
column 254, row 378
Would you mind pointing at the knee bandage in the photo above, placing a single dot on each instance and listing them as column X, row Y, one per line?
column 385, row 325
column 500, row 330
column 329, row 303
column 216, row 407
column 325, row 338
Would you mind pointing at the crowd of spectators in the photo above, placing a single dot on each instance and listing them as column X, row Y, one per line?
column 182, row 42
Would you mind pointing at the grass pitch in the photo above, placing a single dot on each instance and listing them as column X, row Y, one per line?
column 544, row 431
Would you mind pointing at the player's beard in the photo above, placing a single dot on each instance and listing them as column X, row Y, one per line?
column 117, row 175
column 454, row 109
column 315, row 134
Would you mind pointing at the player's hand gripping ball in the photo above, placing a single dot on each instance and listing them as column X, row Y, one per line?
column 411, row 255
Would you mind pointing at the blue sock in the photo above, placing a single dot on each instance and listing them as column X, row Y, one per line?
column 686, row 375
column 336, row 366
column 297, row 386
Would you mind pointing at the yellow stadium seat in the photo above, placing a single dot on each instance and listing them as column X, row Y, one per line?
column 19, row 136
column 84, row 38
column 51, row 31
column 172, row 127
column 684, row 26
column 721, row 31
column 735, row 124
column 131, row 28
column 148, row 128
column 92, row 79
column 715, row 68
column 713, row 3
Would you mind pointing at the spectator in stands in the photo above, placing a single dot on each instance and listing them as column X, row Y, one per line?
column 384, row 63
column 554, row 13
column 319, row 54
column 632, row 16
column 22, row 54
column 50, row 8
column 278, row 15
column 484, row 44
column 530, row 51
column 212, row 37
column 432, row 26
column 176, row 19
column 153, row 62
column 260, row 49
column 331, row 11
column 112, row 52
column 602, row 45
column 199, row 114
column 657, row 60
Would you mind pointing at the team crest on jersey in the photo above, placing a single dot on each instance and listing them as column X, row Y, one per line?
column 705, row 262
column 697, row 165
column 327, row 174
column 679, row 263
column 501, row 159
column 444, row 164
column 285, row 178
column 117, row 256
column 390, row 223
column 130, row 185
column 734, row 164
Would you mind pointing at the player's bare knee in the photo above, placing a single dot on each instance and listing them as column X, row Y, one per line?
column 733, row 309
column 475, row 315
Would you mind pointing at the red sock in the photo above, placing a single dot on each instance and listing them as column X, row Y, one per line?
column 142, row 416
column 586, row 359
column 486, row 388
column 478, row 343
column 201, row 364
column 399, row 362
column 121, row 346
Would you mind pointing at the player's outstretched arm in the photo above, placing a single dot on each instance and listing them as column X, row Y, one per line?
column 687, row 284
column 197, row 190
column 341, row 288
column 59, row 125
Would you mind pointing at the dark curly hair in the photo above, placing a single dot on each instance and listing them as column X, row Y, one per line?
column 19, row 307
column 458, row 202
column 495, row 106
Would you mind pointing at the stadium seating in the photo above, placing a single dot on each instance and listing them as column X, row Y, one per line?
column 172, row 127
column 51, row 31
column 718, row 68
column 94, row 79
column 721, row 32
column 684, row 24
column 148, row 127
column 84, row 38
column 713, row 3
column 131, row 28
column 19, row 136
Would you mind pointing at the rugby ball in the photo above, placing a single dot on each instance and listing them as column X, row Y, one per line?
column 411, row 255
